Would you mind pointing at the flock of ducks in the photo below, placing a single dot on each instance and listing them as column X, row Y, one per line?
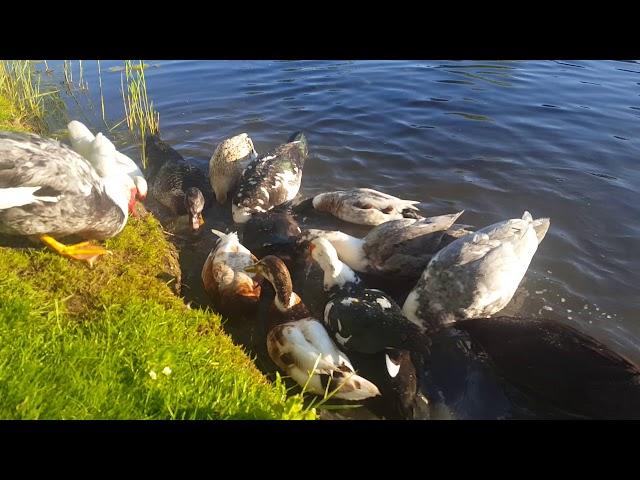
column 331, row 333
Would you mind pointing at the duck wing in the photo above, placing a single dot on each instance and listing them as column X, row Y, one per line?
column 28, row 160
column 46, row 187
column 371, row 322
column 160, row 153
column 560, row 365
column 406, row 246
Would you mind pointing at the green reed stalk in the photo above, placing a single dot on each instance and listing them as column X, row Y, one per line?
column 141, row 117
column 101, row 95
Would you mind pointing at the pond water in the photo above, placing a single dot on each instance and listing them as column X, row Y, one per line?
column 560, row 139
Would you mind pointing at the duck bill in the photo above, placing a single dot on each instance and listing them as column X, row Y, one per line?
column 251, row 269
column 252, row 293
column 196, row 221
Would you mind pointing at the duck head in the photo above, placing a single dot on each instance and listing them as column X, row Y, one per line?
column 276, row 273
column 301, row 142
column 336, row 273
column 194, row 203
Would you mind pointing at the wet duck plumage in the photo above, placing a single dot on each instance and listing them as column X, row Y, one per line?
column 525, row 367
column 362, row 319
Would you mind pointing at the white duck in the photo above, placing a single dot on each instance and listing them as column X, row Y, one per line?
column 363, row 206
column 476, row 275
column 398, row 248
column 47, row 190
column 229, row 159
column 300, row 345
column 81, row 138
column 223, row 274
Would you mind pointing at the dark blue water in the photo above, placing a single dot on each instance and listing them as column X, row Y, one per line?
column 560, row 139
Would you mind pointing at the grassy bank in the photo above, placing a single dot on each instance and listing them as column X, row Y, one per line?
column 116, row 341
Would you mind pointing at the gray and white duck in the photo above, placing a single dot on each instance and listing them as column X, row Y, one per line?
column 362, row 206
column 398, row 249
column 175, row 183
column 477, row 274
column 299, row 344
column 271, row 179
column 47, row 190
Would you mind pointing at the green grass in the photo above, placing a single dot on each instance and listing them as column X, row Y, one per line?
column 9, row 118
column 80, row 343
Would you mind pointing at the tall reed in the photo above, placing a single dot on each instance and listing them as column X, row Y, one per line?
column 20, row 85
column 142, row 118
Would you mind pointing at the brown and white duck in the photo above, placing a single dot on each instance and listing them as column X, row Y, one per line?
column 224, row 276
column 300, row 345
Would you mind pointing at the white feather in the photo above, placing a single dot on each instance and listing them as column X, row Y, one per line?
column 20, row 196
column 392, row 368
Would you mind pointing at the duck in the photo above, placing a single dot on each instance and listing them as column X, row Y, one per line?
column 270, row 180
column 362, row 206
column 361, row 319
column 178, row 185
column 397, row 249
column 272, row 233
column 81, row 139
column 561, row 367
column 521, row 367
column 397, row 375
column 228, row 161
column 477, row 274
column 368, row 323
column 299, row 344
column 223, row 274
column 47, row 190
